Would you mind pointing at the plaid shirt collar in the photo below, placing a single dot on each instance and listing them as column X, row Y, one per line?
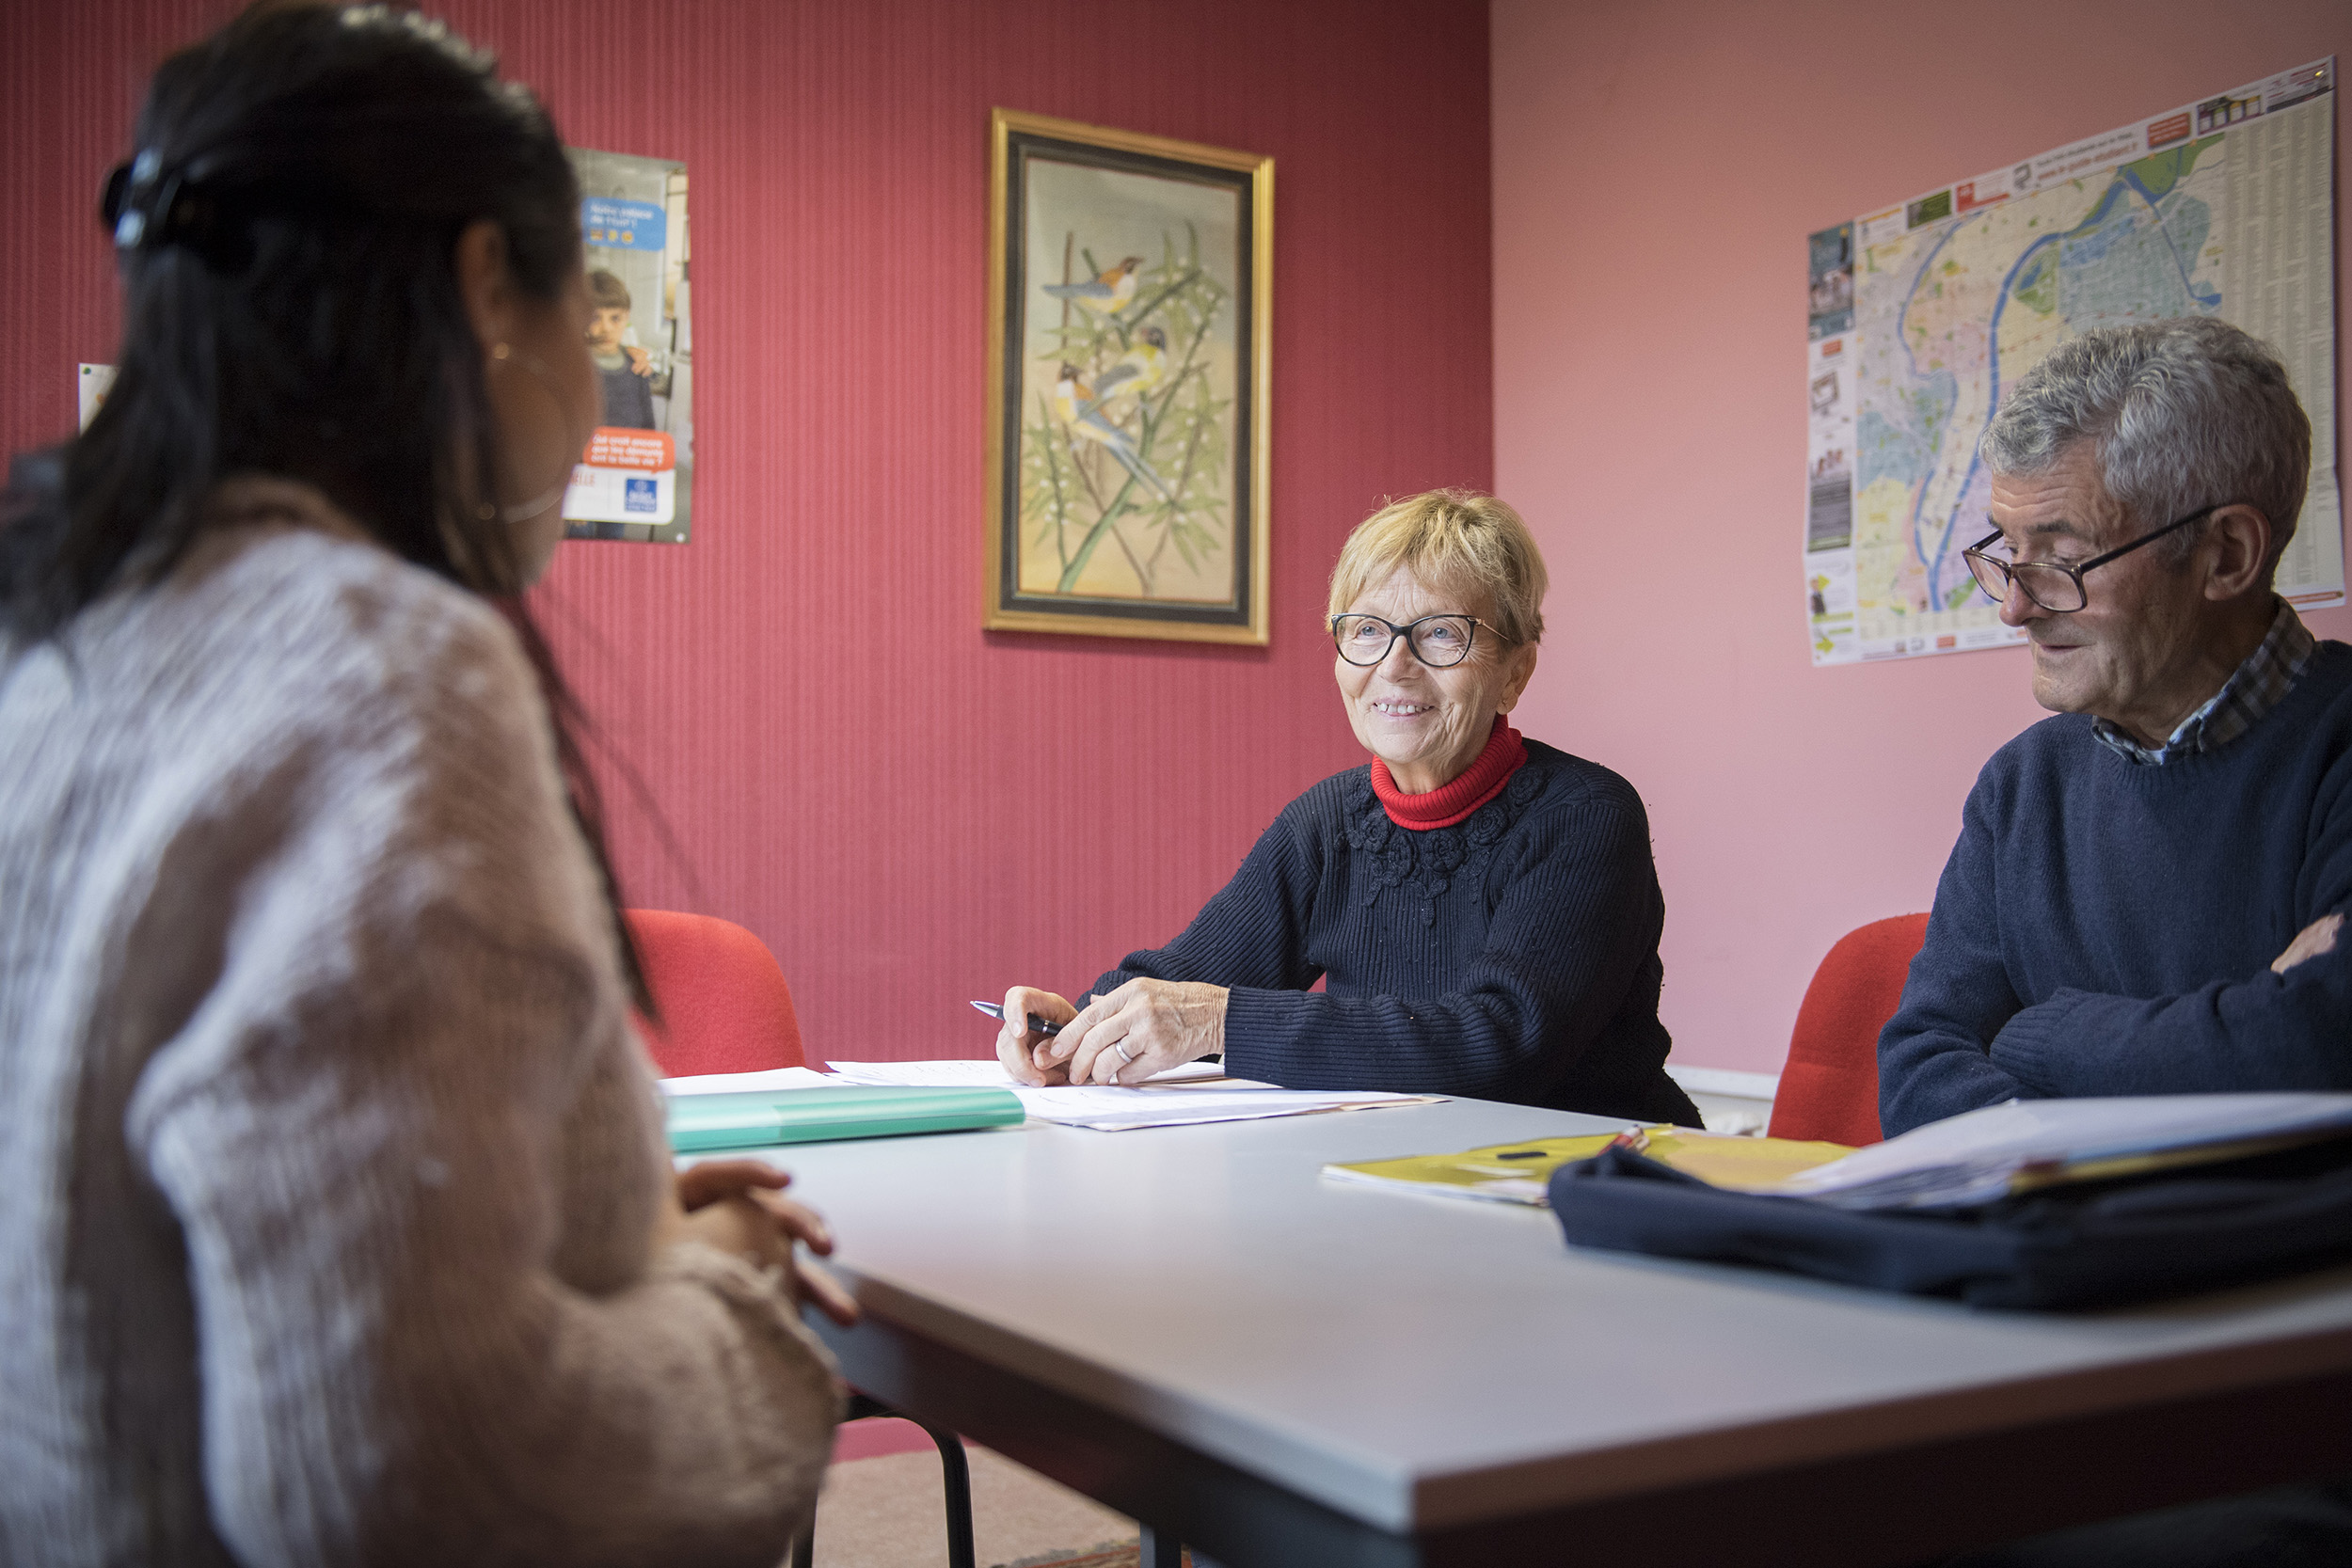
column 2253, row 688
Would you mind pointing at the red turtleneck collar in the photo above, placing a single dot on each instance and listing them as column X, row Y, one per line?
column 1454, row 800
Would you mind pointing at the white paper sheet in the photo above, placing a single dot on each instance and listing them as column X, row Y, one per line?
column 1183, row 1096
column 729, row 1082
column 987, row 1072
column 1971, row 1158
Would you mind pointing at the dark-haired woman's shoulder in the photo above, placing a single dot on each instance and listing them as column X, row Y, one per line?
column 288, row 670
column 286, row 616
column 314, row 577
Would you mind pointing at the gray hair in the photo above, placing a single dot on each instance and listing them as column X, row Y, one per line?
column 2182, row 414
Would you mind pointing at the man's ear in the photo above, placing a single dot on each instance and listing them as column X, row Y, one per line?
column 485, row 282
column 2238, row 539
column 1522, row 671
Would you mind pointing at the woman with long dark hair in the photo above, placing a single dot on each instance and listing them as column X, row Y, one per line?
column 335, row 1220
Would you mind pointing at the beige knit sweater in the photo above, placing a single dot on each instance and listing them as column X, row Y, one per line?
column 328, row 1159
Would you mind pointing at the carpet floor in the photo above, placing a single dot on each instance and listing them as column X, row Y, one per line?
column 885, row 1512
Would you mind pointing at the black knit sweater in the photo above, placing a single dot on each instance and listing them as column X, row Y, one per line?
column 1511, row 957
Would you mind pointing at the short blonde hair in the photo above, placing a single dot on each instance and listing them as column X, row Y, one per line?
column 1464, row 542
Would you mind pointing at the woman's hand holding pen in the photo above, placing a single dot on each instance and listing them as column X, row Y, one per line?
column 1026, row 1054
column 1143, row 1028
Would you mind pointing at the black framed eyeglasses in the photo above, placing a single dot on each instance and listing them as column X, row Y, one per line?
column 1440, row 642
column 2055, row 587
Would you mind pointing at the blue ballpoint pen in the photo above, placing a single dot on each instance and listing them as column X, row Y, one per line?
column 1036, row 1024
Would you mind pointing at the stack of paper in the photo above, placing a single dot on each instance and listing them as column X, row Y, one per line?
column 2026, row 1144
column 1196, row 1092
column 1969, row 1158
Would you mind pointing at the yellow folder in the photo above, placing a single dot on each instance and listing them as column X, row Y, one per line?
column 1516, row 1173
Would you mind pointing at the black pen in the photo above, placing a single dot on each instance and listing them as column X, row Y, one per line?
column 1036, row 1024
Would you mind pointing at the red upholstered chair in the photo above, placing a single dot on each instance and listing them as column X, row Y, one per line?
column 726, row 1007
column 726, row 1004
column 1830, row 1088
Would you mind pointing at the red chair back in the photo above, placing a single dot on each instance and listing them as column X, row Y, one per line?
column 1830, row 1088
column 726, row 1004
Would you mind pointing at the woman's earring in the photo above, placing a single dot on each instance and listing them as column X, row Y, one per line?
column 502, row 354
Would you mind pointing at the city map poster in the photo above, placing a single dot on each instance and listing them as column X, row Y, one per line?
column 1922, row 315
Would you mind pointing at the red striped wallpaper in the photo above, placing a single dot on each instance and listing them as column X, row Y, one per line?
column 911, row 811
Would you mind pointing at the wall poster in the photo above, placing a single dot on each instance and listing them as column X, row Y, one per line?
column 636, row 479
column 1921, row 314
column 1130, row 286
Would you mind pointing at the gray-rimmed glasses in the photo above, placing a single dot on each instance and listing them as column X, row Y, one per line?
column 1440, row 642
column 2050, row 583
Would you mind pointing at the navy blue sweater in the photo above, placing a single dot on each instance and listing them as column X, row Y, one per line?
column 1513, row 956
column 2104, row 927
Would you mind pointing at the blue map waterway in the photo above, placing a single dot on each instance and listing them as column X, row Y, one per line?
column 2108, row 267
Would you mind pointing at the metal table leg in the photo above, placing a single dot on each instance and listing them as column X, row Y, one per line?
column 955, row 1473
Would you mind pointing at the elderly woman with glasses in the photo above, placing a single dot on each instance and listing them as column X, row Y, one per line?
column 1482, row 909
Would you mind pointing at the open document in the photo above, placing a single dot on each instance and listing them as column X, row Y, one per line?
column 1196, row 1092
column 2000, row 1149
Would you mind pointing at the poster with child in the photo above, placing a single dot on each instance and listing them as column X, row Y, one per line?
column 635, row 479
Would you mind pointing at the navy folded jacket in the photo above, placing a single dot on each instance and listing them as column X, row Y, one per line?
column 2095, row 1244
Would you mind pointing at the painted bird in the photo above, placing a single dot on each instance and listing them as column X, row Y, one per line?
column 1138, row 371
column 1076, row 405
column 1108, row 294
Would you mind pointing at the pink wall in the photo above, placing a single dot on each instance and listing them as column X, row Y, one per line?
column 910, row 812
column 1656, row 169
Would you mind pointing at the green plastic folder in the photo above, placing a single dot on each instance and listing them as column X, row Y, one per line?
column 752, row 1118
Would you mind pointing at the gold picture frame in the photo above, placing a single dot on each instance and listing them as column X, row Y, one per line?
column 1130, row 330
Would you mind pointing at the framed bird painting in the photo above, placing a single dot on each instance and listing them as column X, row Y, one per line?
column 1130, row 289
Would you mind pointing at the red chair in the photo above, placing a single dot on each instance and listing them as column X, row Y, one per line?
column 726, row 1007
column 726, row 1004
column 1830, row 1088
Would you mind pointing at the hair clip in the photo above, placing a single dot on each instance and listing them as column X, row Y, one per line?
column 147, row 204
column 134, row 204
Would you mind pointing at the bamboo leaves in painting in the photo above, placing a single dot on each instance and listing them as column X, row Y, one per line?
column 1126, row 447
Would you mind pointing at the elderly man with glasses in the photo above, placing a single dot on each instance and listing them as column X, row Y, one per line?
column 2145, row 893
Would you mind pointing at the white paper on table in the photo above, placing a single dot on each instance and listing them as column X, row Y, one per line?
column 1181, row 1096
column 732, row 1083
column 988, row 1073
column 1971, row 1158
column 1094, row 1105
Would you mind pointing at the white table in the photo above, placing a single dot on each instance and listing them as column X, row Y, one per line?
column 1193, row 1326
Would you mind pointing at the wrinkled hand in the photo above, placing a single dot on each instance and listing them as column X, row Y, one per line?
column 1145, row 1026
column 1025, row 1054
column 737, row 1206
column 2310, row 943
